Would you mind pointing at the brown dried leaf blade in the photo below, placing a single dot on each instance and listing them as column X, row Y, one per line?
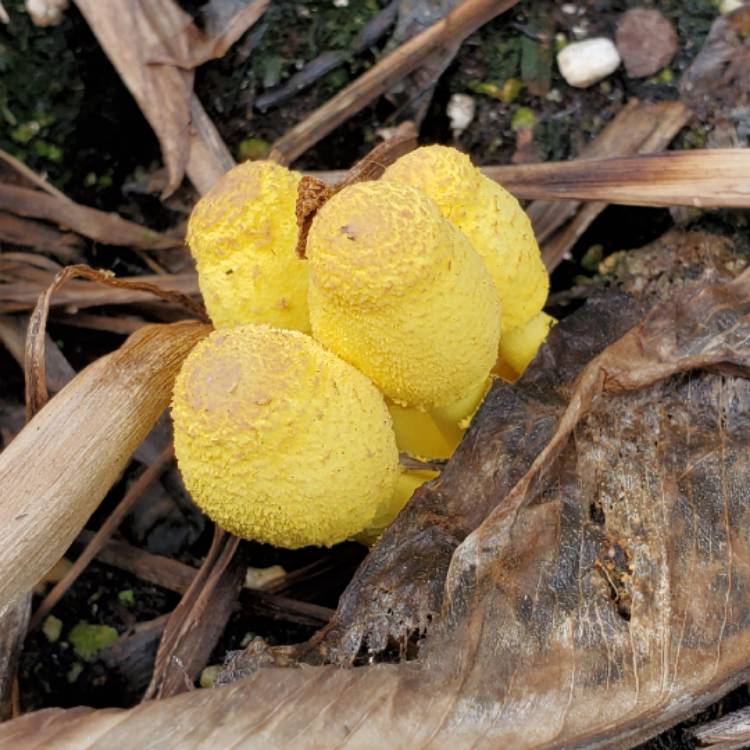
column 59, row 467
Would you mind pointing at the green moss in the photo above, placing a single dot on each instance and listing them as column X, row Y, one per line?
column 209, row 675
column 52, row 628
column 40, row 108
column 253, row 148
column 523, row 118
column 126, row 597
column 592, row 258
column 74, row 672
column 88, row 640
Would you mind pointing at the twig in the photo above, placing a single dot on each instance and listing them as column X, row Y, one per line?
column 132, row 496
column 23, row 295
column 101, row 226
column 13, row 622
column 730, row 732
column 457, row 25
column 196, row 624
column 120, row 324
column 31, row 175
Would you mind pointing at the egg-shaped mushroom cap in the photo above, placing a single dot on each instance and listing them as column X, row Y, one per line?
column 399, row 293
column 280, row 441
column 491, row 218
column 243, row 236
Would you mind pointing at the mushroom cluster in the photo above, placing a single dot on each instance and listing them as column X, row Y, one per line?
column 415, row 290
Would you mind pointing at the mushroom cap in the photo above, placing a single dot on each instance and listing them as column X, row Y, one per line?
column 399, row 293
column 279, row 440
column 243, row 236
column 490, row 217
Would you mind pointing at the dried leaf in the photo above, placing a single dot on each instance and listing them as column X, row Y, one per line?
column 100, row 226
column 17, row 296
column 196, row 624
column 225, row 21
column 718, row 80
column 28, row 177
column 13, row 335
column 730, row 732
column 14, row 620
column 706, row 178
column 35, row 360
column 17, row 231
column 134, row 34
column 59, row 467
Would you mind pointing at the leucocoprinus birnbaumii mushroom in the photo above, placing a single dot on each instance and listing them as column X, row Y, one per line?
column 280, row 441
column 499, row 231
column 398, row 292
column 243, row 236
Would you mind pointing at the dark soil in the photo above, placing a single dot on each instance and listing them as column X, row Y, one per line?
column 68, row 116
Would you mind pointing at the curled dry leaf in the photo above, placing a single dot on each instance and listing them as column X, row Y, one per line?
column 60, row 466
column 36, row 383
column 592, row 589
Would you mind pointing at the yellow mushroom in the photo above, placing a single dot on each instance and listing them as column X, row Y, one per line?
column 243, row 236
column 280, row 441
column 519, row 346
column 490, row 217
column 408, row 482
column 398, row 292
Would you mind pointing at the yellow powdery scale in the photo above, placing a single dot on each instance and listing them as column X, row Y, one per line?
column 280, row 441
column 243, row 236
column 398, row 292
column 490, row 217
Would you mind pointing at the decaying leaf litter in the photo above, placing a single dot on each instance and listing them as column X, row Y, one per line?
column 384, row 611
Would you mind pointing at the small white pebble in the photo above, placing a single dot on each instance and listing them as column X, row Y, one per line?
column 554, row 95
column 570, row 9
column 729, row 6
column 257, row 578
column 460, row 110
column 341, row 3
column 584, row 63
column 46, row 12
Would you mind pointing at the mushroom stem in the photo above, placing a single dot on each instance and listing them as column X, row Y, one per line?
column 454, row 419
column 519, row 346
